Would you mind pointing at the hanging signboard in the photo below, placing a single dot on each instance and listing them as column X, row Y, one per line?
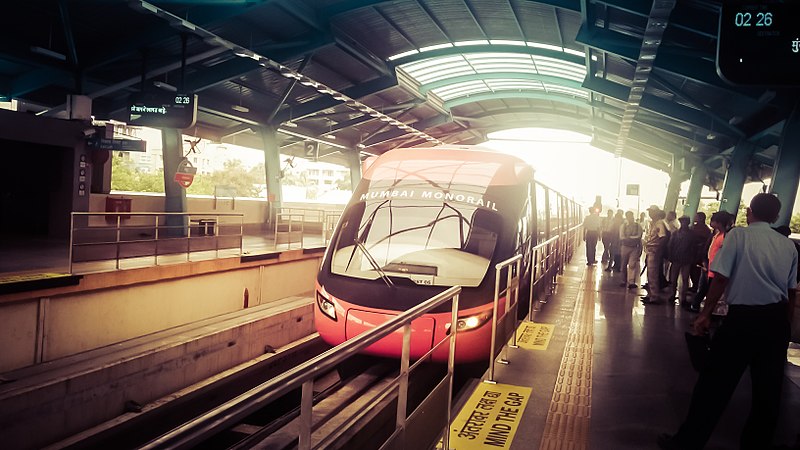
column 185, row 173
column 163, row 109
column 632, row 189
column 125, row 145
column 311, row 150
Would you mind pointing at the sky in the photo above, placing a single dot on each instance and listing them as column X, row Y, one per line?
column 565, row 161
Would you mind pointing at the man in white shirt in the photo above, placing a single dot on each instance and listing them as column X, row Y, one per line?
column 592, row 226
column 756, row 268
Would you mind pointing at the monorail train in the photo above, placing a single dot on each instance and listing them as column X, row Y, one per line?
column 420, row 221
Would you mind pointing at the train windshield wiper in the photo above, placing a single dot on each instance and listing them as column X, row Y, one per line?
column 374, row 263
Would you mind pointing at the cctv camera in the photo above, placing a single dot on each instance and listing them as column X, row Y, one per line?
column 89, row 131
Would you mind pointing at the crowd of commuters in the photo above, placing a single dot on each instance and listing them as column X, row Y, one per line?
column 745, row 276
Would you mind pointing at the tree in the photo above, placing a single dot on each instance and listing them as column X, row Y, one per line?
column 246, row 182
column 125, row 178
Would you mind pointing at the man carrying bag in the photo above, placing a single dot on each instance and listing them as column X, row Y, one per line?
column 756, row 269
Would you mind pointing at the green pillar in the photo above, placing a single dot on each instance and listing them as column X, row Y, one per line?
column 695, row 189
column 174, row 194
column 272, row 164
column 786, row 171
column 735, row 177
column 354, row 161
column 673, row 190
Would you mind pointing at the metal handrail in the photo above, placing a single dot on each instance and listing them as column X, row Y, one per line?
column 81, row 222
column 234, row 410
column 511, row 293
column 292, row 220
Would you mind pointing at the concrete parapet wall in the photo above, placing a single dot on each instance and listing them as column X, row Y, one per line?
column 44, row 403
column 111, row 307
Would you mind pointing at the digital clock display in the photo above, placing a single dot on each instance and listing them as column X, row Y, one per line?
column 759, row 43
column 163, row 110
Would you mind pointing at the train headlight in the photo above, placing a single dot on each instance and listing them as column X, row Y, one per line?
column 471, row 322
column 326, row 306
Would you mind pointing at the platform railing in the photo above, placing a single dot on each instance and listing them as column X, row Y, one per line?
column 329, row 224
column 302, row 221
column 152, row 238
column 547, row 262
column 505, row 327
column 303, row 376
column 289, row 226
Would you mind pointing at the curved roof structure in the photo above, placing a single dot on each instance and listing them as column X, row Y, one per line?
column 371, row 75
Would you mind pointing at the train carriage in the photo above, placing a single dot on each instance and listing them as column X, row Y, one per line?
column 420, row 221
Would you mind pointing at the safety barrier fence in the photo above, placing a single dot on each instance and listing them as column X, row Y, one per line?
column 416, row 430
column 547, row 260
column 292, row 224
column 506, row 325
column 151, row 238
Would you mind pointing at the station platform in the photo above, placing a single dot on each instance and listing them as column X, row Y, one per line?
column 614, row 375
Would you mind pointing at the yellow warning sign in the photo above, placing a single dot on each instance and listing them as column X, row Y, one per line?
column 490, row 418
column 534, row 336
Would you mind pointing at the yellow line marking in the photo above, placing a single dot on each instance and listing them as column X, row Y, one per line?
column 490, row 418
column 30, row 277
column 534, row 336
column 567, row 424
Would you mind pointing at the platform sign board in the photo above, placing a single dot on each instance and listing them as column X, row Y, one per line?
column 490, row 418
column 184, row 176
column 163, row 110
column 632, row 189
column 534, row 336
column 311, row 149
column 125, row 145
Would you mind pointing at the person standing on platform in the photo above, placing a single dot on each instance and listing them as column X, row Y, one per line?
column 681, row 252
column 615, row 263
column 672, row 223
column 655, row 245
column 721, row 223
column 630, row 237
column 756, row 269
column 592, row 226
column 703, row 234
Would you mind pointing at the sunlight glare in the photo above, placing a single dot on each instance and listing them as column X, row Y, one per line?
column 567, row 162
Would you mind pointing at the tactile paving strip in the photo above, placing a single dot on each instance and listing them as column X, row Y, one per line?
column 567, row 425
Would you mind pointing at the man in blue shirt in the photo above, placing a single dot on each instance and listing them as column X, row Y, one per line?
column 756, row 269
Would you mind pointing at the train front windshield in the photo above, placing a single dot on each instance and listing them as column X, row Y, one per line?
column 428, row 242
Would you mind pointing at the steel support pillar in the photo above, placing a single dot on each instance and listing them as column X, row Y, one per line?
column 786, row 170
column 354, row 161
column 695, row 189
column 272, row 165
column 673, row 190
column 735, row 177
column 174, row 193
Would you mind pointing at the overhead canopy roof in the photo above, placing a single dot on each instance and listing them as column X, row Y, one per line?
column 371, row 75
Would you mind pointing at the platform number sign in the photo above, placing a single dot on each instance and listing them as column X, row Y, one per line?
column 311, row 150
column 632, row 189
